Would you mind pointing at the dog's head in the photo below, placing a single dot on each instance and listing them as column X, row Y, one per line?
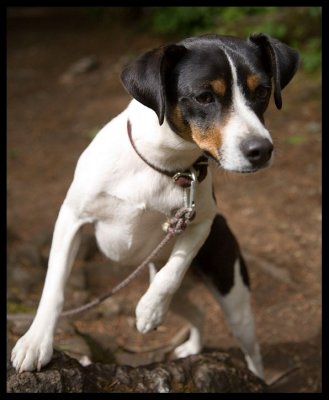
column 214, row 90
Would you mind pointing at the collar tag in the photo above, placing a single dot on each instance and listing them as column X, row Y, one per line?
column 182, row 179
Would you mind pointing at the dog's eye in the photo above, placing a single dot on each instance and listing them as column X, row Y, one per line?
column 205, row 98
column 262, row 92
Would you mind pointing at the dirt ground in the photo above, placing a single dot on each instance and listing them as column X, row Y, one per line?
column 53, row 113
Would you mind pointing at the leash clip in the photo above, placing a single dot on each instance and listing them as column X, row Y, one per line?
column 189, row 192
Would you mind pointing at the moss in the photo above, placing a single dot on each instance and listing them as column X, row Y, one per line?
column 14, row 307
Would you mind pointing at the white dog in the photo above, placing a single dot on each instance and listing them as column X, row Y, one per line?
column 202, row 96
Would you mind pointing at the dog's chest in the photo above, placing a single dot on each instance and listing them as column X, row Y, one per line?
column 129, row 240
column 128, row 225
column 126, row 199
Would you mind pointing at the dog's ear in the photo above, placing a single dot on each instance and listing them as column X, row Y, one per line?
column 281, row 60
column 145, row 78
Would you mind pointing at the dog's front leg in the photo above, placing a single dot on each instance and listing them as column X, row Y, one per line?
column 35, row 348
column 153, row 306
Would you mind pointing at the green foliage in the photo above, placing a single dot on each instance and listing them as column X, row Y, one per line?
column 297, row 26
column 181, row 20
column 296, row 139
column 14, row 307
column 311, row 54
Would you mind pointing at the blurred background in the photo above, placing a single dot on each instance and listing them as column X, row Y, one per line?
column 63, row 85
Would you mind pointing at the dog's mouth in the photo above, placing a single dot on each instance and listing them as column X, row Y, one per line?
column 243, row 170
column 238, row 170
column 247, row 171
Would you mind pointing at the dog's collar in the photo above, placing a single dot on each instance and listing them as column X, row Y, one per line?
column 180, row 178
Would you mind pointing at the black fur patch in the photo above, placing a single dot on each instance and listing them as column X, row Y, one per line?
column 216, row 258
column 244, row 271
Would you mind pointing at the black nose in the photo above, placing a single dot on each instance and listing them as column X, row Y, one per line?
column 257, row 150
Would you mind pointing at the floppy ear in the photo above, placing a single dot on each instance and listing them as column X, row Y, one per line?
column 145, row 78
column 282, row 62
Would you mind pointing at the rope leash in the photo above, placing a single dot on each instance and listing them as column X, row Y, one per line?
column 174, row 226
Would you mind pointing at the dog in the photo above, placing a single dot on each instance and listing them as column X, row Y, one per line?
column 200, row 99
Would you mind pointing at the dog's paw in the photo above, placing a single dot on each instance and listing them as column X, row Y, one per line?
column 150, row 312
column 31, row 352
column 186, row 349
column 254, row 362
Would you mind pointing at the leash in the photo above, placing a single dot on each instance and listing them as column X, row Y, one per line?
column 173, row 227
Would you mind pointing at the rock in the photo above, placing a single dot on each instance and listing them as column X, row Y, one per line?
column 205, row 373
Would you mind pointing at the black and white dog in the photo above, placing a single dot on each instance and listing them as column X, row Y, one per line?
column 202, row 97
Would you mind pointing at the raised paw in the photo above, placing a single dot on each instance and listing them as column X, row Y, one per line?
column 150, row 312
column 31, row 352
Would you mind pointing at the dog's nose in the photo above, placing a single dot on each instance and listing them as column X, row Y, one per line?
column 257, row 150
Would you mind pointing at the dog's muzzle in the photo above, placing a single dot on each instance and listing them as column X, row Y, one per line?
column 257, row 151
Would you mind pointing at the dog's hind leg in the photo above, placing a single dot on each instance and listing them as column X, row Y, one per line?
column 237, row 310
column 223, row 269
column 182, row 306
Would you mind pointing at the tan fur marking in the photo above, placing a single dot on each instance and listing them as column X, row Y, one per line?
column 209, row 140
column 252, row 82
column 184, row 130
column 219, row 86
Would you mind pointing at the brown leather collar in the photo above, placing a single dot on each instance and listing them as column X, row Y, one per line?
column 180, row 178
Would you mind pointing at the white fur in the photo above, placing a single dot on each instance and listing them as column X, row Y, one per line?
column 236, row 306
column 192, row 346
column 243, row 122
column 127, row 201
